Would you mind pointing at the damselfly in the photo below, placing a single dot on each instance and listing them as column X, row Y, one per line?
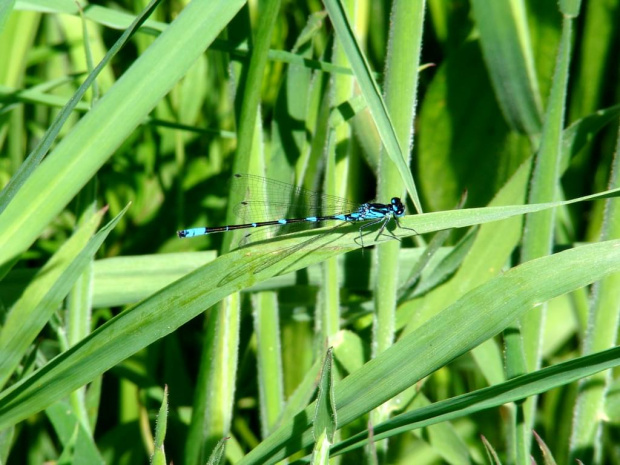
column 269, row 203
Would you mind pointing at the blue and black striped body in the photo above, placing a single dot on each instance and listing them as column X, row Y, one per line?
column 366, row 212
column 268, row 197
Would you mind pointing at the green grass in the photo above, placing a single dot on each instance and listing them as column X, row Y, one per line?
column 486, row 334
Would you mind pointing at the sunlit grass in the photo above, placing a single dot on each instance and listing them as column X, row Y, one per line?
column 434, row 336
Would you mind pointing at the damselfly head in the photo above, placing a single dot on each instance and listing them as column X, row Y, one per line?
column 397, row 207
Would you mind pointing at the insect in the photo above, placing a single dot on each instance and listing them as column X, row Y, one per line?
column 269, row 203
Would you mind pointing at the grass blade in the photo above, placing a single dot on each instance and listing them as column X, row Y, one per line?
column 100, row 132
column 507, row 50
column 370, row 91
column 44, row 294
column 33, row 160
column 513, row 390
column 478, row 316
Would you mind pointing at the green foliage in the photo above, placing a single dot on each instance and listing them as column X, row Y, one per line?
column 493, row 317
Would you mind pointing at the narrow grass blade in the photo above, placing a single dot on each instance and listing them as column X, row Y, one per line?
column 546, row 452
column 325, row 421
column 268, row 359
column 508, row 52
column 212, row 406
column 603, row 317
column 523, row 346
column 45, row 293
column 73, row 436
column 140, row 275
column 513, row 390
column 582, row 131
column 302, row 395
column 370, row 91
column 39, row 95
column 401, row 81
column 159, row 454
column 491, row 453
column 546, row 173
column 218, row 452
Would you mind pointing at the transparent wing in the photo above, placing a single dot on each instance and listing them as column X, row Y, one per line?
column 267, row 200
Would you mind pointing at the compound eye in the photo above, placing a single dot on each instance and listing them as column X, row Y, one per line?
column 397, row 206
